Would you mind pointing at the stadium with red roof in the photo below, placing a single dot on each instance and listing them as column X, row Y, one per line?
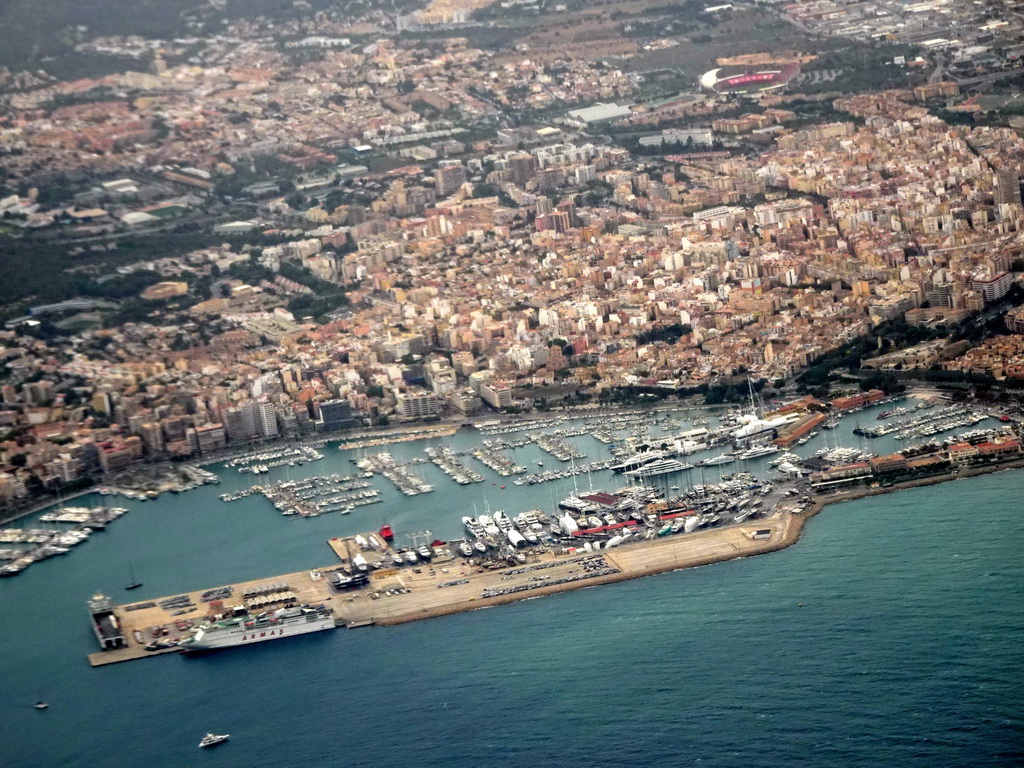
column 727, row 80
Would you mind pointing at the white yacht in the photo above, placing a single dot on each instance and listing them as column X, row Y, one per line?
column 660, row 467
column 637, row 460
column 720, row 459
column 758, row 451
column 212, row 739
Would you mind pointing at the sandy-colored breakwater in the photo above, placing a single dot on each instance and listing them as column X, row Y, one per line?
column 676, row 553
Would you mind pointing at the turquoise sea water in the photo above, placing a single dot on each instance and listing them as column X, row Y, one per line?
column 890, row 635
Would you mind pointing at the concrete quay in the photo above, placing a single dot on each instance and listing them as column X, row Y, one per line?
column 306, row 586
column 447, row 585
column 427, row 597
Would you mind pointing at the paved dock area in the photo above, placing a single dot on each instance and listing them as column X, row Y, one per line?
column 444, row 586
column 345, row 546
column 436, row 591
column 165, row 613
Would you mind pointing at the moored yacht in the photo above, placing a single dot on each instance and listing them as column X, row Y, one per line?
column 758, row 451
column 636, row 461
column 659, row 467
column 717, row 460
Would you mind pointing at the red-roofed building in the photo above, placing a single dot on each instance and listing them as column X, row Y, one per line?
column 856, row 401
column 998, row 449
column 891, row 463
column 842, row 475
column 929, row 462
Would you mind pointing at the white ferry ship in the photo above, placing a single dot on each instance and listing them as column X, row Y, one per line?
column 243, row 628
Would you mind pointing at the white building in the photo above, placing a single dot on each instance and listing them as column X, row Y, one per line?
column 417, row 405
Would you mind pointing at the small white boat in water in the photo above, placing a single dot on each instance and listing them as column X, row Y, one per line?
column 212, row 739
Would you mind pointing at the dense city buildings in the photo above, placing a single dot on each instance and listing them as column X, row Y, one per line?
column 366, row 313
column 270, row 237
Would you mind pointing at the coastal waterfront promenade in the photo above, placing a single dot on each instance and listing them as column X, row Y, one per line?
column 361, row 438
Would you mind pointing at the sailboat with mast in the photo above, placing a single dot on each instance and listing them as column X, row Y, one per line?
column 756, row 426
column 133, row 583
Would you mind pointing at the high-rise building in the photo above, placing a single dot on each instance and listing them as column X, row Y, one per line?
column 266, row 419
column 87, row 453
column 569, row 208
column 39, row 392
column 464, row 363
column 1015, row 320
column 440, row 376
column 450, row 175
column 115, row 456
column 465, row 401
column 993, row 287
column 207, row 439
column 940, row 295
column 174, row 428
column 233, row 428
column 152, row 436
column 287, row 423
column 65, row 468
column 549, row 179
column 496, row 394
column 335, row 414
column 240, row 421
column 135, row 421
column 1007, row 186
column 558, row 221
column 417, row 405
column 521, row 168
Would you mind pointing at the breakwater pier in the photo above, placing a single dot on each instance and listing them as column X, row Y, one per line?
column 446, row 585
